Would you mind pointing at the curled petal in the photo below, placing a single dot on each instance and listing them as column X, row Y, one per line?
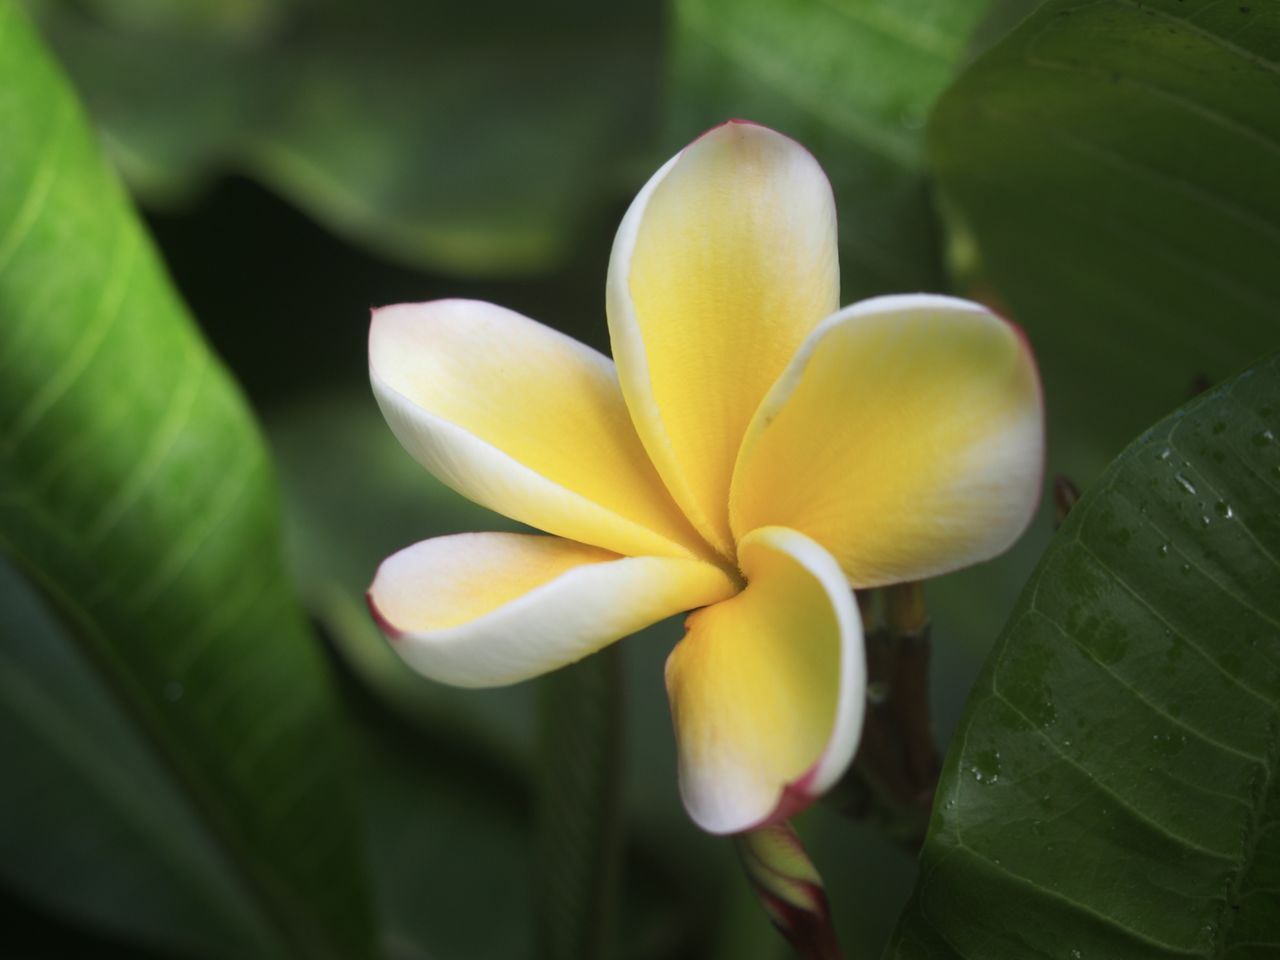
column 485, row 609
column 906, row 437
column 723, row 264
column 767, row 688
column 523, row 420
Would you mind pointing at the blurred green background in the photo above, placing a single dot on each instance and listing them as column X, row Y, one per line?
column 299, row 162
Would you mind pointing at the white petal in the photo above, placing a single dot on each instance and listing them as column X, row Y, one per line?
column 486, row 609
column 525, row 421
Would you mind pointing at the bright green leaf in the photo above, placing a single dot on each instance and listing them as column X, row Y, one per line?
column 1112, row 790
column 136, row 494
column 1115, row 164
column 853, row 80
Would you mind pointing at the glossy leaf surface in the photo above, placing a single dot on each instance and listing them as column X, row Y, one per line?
column 1113, row 785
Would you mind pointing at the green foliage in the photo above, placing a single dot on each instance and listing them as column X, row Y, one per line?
column 474, row 138
column 1113, row 784
column 91, row 822
column 136, row 494
column 176, row 768
column 854, row 82
column 1115, row 164
column 448, row 835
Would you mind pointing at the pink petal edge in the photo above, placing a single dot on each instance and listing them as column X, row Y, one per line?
column 796, row 798
column 392, row 632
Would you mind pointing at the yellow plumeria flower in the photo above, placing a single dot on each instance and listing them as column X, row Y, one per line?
column 754, row 453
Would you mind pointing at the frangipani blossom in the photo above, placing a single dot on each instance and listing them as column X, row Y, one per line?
column 754, row 454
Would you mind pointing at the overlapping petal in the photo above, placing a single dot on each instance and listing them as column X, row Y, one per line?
column 723, row 264
column 907, row 437
column 746, row 423
column 767, row 688
column 485, row 609
column 523, row 420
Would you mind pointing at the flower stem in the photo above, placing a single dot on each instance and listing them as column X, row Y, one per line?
column 895, row 773
column 579, row 801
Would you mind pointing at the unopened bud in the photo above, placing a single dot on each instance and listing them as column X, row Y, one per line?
column 790, row 889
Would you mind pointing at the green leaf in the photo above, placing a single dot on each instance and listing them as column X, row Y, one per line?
column 465, row 138
column 136, row 494
column 92, row 823
column 1112, row 790
column 853, row 80
column 1114, row 164
column 449, row 847
column 241, row 18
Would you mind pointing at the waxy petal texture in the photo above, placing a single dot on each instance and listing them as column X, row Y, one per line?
column 525, row 421
column 723, row 264
column 485, row 609
column 907, row 437
column 767, row 688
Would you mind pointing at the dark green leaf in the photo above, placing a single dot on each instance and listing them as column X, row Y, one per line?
column 136, row 494
column 1115, row 164
column 470, row 138
column 853, row 81
column 93, row 825
column 1112, row 790
column 449, row 844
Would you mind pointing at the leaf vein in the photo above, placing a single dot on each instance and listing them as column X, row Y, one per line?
column 1214, row 38
column 164, row 441
column 41, row 186
column 107, row 314
column 1124, row 585
column 223, row 500
column 1150, row 704
column 1154, row 825
column 1103, row 918
column 1213, row 116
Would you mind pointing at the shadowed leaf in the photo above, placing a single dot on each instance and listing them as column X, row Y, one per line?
column 1114, row 161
